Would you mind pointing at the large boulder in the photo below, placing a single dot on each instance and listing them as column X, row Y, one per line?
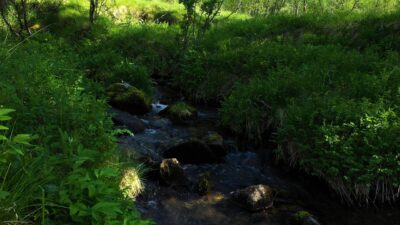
column 254, row 198
column 191, row 152
column 131, row 122
column 216, row 143
column 172, row 173
column 128, row 98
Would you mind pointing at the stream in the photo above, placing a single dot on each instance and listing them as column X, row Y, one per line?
column 242, row 166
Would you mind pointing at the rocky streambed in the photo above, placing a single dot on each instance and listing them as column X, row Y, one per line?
column 199, row 175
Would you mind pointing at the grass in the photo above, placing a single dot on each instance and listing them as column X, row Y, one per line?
column 71, row 170
column 324, row 87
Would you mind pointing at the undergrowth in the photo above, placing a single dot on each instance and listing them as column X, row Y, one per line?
column 68, row 170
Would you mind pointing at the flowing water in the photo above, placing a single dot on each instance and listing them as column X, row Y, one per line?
column 243, row 166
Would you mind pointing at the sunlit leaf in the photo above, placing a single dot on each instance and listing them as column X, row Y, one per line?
column 23, row 139
column 4, row 114
column 4, row 118
column 107, row 208
column 5, row 111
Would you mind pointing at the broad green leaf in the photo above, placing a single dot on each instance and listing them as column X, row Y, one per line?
column 4, row 194
column 5, row 111
column 78, row 209
column 3, row 127
column 106, row 172
column 80, row 160
column 23, row 139
column 16, row 150
column 110, row 209
column 3, row 138
column 65, row 197
column 4, row 118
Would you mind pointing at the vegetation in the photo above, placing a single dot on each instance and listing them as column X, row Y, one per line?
column 319, row 78
column 325, row 88
column 181, row 109
column 68, row 169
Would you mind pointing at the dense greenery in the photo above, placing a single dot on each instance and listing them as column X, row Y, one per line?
column 68, row 169
column 330, row 92
column 301, row 7
column 321, row 79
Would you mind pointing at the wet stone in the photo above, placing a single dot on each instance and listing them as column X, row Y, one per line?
column 216, row 143
column 303, row 217
column 254, row 198
column 172, row 173
column 128, row 98
column 131, row 122
column 191, row 152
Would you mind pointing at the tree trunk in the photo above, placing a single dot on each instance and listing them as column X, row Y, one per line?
column 25, row 16
column 92, row 11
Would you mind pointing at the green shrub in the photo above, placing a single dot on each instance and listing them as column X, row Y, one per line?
column 335, row 113
column 152, row 45
column 134, row 74
column 70, row 173
column 352, row 144
column 24, row 175
column 107, row 67
column 181, row 110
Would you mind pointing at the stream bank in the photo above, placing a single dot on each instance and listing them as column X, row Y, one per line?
column 203, row 195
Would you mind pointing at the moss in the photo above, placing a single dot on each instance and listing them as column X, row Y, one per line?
column 301, row 215
column 181, row 110
column 132, row 94
column 129, row 98
column 213, row 137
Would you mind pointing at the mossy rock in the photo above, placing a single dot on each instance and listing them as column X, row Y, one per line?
column 180, row 112
column 128, row 98
column 303, row 218
column 216, row 142
column 191, row 151
column 254, row 198
column 213, row 138
column 172, row 173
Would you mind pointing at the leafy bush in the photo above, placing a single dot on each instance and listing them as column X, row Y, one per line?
column 152, row 45
column 23, row 174
column 336, row 116
column 70, row 173
column 108, row 67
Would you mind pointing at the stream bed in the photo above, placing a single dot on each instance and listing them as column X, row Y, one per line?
column 241, row 167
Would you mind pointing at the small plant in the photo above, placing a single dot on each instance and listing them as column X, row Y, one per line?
column 181, row 110
column 131, row 183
